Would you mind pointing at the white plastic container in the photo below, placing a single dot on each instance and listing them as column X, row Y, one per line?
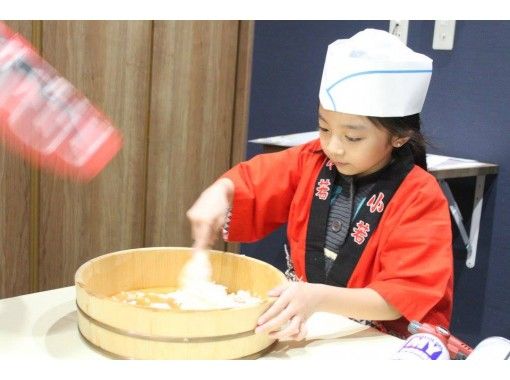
column 493, row 348
column 422, row 346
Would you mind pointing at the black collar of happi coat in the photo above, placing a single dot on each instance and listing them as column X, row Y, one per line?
column 362, row 226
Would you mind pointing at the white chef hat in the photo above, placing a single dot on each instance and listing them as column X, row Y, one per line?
column 373, row 73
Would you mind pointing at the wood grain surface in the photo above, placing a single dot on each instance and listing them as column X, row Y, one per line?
column 110, row 63
column 140, row 332
column 15, row 211
column 192, row 105
column 178, row 91
column 242, row 100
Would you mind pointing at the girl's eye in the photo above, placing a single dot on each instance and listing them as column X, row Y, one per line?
column 322, row 129
column 353, row 139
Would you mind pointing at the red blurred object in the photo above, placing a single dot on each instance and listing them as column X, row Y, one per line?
column 46, row 119
column 456, row 348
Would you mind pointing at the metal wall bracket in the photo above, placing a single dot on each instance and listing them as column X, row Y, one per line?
column 471, row 241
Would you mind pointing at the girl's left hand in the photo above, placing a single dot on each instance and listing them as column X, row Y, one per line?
column 286, row 318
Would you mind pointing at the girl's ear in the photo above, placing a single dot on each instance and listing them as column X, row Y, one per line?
column 397, row 141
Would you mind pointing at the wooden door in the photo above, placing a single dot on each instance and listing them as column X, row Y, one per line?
column 178, row 91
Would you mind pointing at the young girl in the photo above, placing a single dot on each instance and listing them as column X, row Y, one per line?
column 368, row 227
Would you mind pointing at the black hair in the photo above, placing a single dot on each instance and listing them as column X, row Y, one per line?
column 406, row 126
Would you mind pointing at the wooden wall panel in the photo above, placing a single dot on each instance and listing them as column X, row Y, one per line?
column 15, row 271
column 178, row 90
column 192, row 104
column 242, row 100
column 109, row 61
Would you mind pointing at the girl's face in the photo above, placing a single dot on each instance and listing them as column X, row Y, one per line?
column 354, row 144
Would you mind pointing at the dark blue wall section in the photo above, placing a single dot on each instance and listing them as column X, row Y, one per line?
column 466, row 114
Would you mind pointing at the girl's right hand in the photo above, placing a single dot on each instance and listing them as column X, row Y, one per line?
column 207, row 215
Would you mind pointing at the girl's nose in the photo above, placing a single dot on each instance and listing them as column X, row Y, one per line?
column 335, row 146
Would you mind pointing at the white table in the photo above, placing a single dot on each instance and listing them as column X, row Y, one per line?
column 44, row 326
column 442, row 167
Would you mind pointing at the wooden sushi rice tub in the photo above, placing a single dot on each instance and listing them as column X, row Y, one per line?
column 131, row 331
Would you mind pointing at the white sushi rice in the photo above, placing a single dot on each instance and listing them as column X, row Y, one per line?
column 198, row 292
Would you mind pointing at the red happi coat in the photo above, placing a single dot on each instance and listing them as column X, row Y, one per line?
column 408, row 258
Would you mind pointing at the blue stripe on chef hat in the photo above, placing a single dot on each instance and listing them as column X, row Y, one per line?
column 370, row 73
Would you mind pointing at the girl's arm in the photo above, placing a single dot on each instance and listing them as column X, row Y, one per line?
column 363, row 303
column 297, row 301
column 207, row 215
